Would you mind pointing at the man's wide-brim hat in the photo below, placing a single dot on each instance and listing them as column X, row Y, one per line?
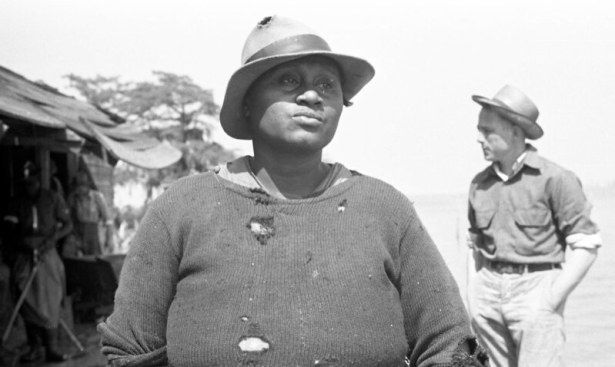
column 515, row 106
column 274, row 41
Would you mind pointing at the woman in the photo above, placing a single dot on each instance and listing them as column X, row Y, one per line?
column 280, row 259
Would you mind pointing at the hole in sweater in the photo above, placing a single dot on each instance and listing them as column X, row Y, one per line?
column 341, row 207
column 253, row 344
column 265, row 22
column 261, row 196
column 262, row 228
column 326, row 362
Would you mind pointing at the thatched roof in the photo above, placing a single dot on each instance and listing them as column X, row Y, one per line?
column 24, row 101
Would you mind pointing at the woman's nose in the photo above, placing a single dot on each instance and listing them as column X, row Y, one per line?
column 309, row 96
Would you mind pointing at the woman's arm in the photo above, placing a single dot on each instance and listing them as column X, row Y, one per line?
column 135, row 333
column 436, row 322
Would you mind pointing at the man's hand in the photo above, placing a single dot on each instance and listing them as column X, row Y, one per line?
column 578, row 262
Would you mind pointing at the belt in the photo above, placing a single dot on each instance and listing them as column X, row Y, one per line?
column 504, row 267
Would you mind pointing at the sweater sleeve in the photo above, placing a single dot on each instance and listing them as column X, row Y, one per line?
column 435, row 320
column 135, row 333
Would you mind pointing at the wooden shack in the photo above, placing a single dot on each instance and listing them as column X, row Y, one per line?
column 40, row 124
column 64, row 135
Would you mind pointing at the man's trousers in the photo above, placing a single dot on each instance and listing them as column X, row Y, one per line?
column 513, row 319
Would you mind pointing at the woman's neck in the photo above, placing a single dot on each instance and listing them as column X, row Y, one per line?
column 289, row 177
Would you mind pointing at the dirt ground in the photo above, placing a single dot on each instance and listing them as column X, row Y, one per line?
column 90, row 357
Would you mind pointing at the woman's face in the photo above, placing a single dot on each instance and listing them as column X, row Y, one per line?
column 296, row 106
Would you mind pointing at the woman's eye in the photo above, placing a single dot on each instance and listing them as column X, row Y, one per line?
column 290, row 81
column 326, row 84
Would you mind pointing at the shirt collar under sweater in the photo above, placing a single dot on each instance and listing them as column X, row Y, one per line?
column 239, row 172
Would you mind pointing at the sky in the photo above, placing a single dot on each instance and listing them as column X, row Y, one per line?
column 414, row 125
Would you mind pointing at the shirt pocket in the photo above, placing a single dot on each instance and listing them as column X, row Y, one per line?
column 483, row 218
column 533, row 222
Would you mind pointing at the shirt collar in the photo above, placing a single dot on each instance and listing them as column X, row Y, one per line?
column 240, row 172
column 529, row 158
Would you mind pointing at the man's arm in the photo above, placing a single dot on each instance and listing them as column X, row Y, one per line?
column 572, row 213
column 65, row 229
column 64, row 224
column 578, row 262
column 63, row 217
column 473, row 240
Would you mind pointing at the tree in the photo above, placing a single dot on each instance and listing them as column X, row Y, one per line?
column 171, row 108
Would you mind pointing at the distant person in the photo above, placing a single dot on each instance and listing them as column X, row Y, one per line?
column 35, row 222
column 89, row 210
column 55, row 184
column 525, row 214
column 281, row 259
column 127, row 228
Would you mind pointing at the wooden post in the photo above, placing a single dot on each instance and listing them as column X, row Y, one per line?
column 44, row 163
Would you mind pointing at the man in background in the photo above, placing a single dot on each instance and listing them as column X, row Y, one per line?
column 525, row 214
column 34, row 223
column 88, row 210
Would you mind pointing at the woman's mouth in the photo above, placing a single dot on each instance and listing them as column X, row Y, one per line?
column 308, row 118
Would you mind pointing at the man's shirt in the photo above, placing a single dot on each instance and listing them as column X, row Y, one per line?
column 89, row 207
column 37, row 216
column 530, row 216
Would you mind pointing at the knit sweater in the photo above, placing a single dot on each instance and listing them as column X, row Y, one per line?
column 223, row 275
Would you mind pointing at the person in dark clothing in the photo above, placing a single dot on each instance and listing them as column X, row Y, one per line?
column 35, row 222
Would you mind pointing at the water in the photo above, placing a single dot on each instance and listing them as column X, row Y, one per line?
column 590, row 310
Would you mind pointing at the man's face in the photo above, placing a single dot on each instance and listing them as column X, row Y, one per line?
column 296, row 106
column 495, row 135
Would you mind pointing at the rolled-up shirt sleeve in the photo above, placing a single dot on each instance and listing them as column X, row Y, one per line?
column 587, row 241
column 572, row 212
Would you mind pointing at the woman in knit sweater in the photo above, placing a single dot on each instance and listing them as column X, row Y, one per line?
column 280, row 259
